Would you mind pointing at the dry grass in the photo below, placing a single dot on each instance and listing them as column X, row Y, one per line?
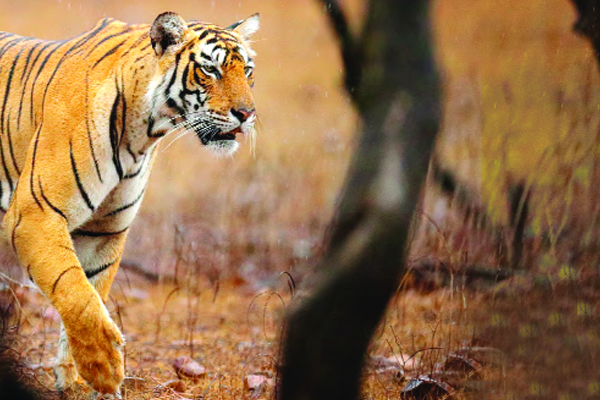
column 235, row 333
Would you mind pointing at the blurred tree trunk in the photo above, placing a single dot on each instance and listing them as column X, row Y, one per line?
column 390, row 76
column 588, row 22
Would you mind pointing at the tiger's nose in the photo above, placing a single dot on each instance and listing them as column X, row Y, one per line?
column 242, row 114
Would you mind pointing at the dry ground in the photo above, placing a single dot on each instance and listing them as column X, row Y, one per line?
column 234, row 334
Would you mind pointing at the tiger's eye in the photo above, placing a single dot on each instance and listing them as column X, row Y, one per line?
column 211, row 70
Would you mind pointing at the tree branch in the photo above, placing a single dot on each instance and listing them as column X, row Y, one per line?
column 351, row 55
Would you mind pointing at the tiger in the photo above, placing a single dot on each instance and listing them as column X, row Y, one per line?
column 80, row 122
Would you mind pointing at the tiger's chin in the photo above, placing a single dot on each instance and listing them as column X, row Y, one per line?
column 223, row 147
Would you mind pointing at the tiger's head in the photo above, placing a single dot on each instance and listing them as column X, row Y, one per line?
column 203, row 80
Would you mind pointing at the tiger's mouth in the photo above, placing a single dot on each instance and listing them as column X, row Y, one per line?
column 227, row 135
column 218, row 136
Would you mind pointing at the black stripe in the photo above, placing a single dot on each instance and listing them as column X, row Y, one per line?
column 2, row 119
column 37, row 56
column 126, row 206
column 172, row 104
column 37, row 75
column 174, row 76
column 1, row 193
column 2, row 116
column 184, row 78
column 10, row 147
column 97, row 234
column 67, row 248
column 136, row 43
column 52, row 206
column 84, row 194
column 7, row 90
column 114, row 134
column 212, row 40
column 10, row 44
column 197, row 78
column 131, row 153
column 196, row 25
column 58, row 64
column 126, row 29
column 147, row 46
column 205, row 33
column 137, row 60
column 58, row 44
column 89, row 131
column 108, row 53
column 89, row 35
column 28, row 59
column 31, row 187
column 40, row 69
column 60, row 277
column 4, row 167
column 151, row 127
column 13, row 235
column 98, row 270
column 135, row 173
column 123, row 111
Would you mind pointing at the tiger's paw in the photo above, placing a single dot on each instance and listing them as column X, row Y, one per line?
column 67, row 378
column 97, row 354
column 76, row 391
column 98, row 396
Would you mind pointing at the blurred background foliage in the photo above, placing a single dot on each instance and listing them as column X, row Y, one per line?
column 521, row 106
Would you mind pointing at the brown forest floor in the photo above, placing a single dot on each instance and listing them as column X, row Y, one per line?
column 234, row 334
column 516, row 343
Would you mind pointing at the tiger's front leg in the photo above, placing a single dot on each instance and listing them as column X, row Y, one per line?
column 40, row 237
column 100, row 257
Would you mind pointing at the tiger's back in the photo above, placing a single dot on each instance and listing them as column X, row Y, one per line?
column 34, row 81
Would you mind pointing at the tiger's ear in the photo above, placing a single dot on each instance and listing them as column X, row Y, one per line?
column 167, row 30
column 246, row 27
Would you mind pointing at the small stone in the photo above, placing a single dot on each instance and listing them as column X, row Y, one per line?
column 186, row 367
column 255, row 382
column 176, row 385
